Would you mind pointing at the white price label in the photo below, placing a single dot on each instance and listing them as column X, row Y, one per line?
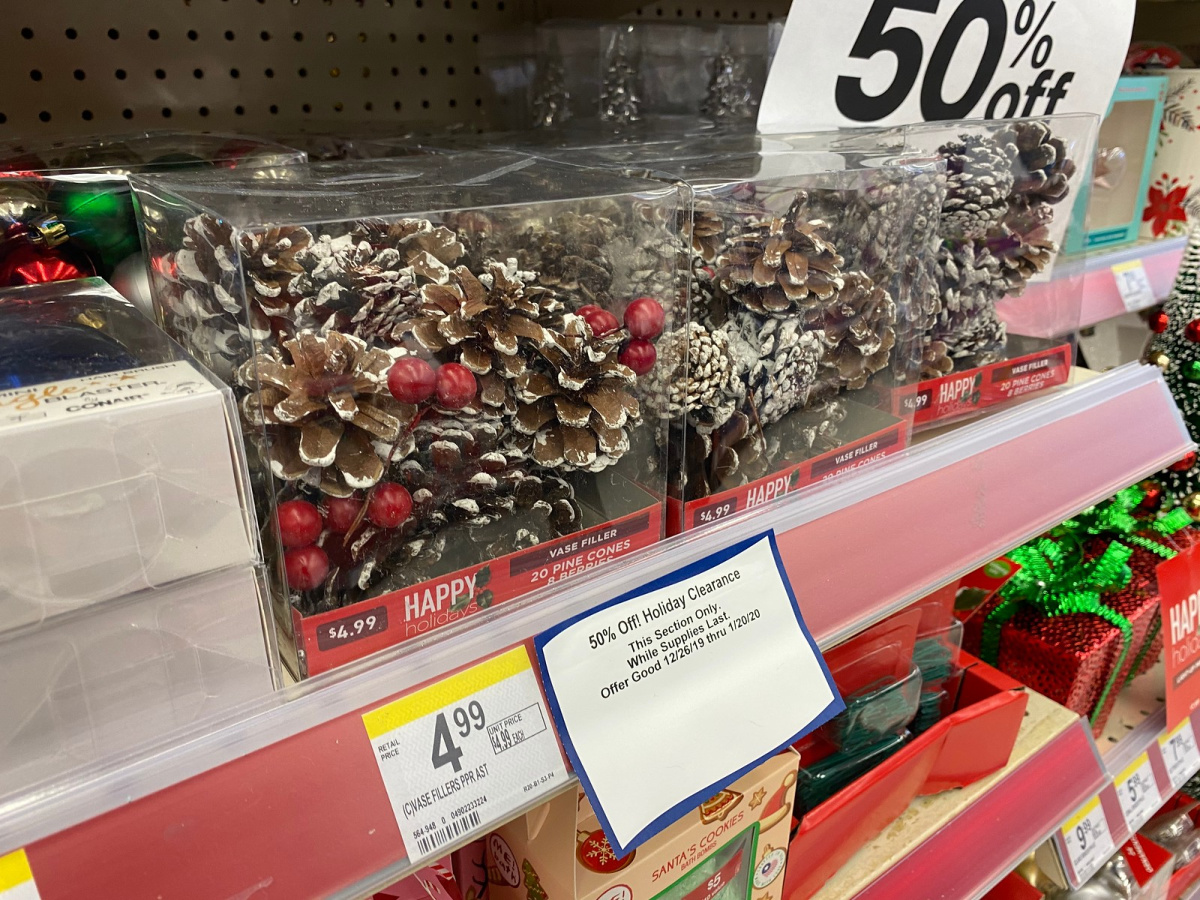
column 1087, row 840
column 465, row 752
column 720, row 640
column 1180, row 753
column 1137, row 791
column 16, row 878
column 892, row 62
column 1133, row 284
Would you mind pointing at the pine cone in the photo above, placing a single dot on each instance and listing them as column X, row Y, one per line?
column 574, row 404
column 785, row 363
column 695, row 376
column 977, row 334
column 493, row 322
column 568, row 256
column 860, row 329
column 1024, row 247
column 935, row 359
column 971, row 277
column 324, row 405
column 355, row 287
column 704, row 231
column 1044, row 171
column 430, row 249
column 980, row 178
column 781, row 267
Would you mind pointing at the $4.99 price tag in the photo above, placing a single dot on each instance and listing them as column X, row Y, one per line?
column 1137, row 791
column 894, row 62
column 1087, row 840
column 1180, row 753
column 16, row 878
column 467, row 751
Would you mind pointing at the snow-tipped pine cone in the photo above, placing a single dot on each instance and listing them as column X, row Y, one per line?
column 695, row 376
column 980, row 179
column 860, row 331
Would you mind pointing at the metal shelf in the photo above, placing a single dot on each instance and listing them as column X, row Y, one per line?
column 285, row 792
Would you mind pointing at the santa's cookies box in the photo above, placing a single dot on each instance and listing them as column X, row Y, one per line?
column 732, row 847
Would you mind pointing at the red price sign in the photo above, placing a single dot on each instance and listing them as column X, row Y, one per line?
column 1179, row 585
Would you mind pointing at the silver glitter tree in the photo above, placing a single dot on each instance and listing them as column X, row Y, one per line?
column 619, row 97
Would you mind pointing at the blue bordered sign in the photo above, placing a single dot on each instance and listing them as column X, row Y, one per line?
column 671, row 692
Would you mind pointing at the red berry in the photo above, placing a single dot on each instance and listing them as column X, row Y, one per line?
column 299, row 523
column 639, row 355
column 602, row 321
column 644, row 318
column 411, row 380
column 456, row 386
column 306, row 568
column 390, row 505
column 341, row 513
column 1159, row 322
column 1186, row 462
column 1192, row 331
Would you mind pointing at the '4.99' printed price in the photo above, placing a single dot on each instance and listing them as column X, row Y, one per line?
column 352, row 628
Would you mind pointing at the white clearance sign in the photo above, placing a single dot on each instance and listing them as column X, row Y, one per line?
column 844, row 63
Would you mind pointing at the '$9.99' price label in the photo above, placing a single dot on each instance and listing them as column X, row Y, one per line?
column 901, row 61
column 1087, row 840
column 465, row 752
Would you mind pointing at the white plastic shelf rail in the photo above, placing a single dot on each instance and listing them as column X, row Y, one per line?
column 284, row 795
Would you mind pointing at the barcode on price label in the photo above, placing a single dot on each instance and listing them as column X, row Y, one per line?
column 1137, row 791
column 1133, row 284
column 1180, row 753
column 1087, row 840
column 465, row 752
column 16, row 878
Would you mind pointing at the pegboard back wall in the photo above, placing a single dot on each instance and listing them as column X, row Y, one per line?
column 270, row 66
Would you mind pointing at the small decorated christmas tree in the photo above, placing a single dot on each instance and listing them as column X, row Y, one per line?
column 1175, row 348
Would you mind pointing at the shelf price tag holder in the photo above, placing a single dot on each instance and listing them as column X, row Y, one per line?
column 1087, row 841
column 16, row 878
column 638, row 685
column 1180, row 754
column 1138, row 793
column 465, row 753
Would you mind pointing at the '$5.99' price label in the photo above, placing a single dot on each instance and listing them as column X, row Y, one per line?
column 1087, row 840
column 902, row 61
column 465, row 752
column 1138, row 793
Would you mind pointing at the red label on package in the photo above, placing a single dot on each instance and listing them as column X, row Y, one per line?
column 718, row 881
column 1179, row 586
column 339, row 636
column 975, row 389
column 873, row 447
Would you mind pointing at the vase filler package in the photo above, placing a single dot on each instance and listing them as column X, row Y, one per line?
column 798, row 299
column 446, row 372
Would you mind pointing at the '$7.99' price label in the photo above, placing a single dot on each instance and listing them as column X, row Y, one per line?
column 902, row 61
column 1180, row 753
column 465, row 752
column 1087, row 840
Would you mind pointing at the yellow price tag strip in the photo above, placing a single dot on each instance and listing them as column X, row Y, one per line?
column 16, row 878
column 1083, row 813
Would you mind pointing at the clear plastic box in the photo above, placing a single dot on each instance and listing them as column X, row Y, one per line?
column 438, row 364
column 1007, row 304
column 798, row 293
column 68, row 208
column 92, row 686
column 120, row 458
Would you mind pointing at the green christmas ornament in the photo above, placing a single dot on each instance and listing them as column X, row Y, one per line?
column 100, row 219
column 1191, row 370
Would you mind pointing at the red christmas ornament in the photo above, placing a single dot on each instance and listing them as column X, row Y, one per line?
column 639, row 355
column 341, row 513
column 595, row 852
column 1159, row 322
column 602, row 321
column 644, row 318
column 1192, row 331
column 1182, row 465
column 390, row 505
column 306, row 568
column 23, row 262
column 299, row 523
column 1153, row 495
column 412, row 380
column 456, row 386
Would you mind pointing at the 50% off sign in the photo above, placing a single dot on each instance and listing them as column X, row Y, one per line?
column 901, row 61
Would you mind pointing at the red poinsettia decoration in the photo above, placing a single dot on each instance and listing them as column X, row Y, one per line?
column 1164, row 206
